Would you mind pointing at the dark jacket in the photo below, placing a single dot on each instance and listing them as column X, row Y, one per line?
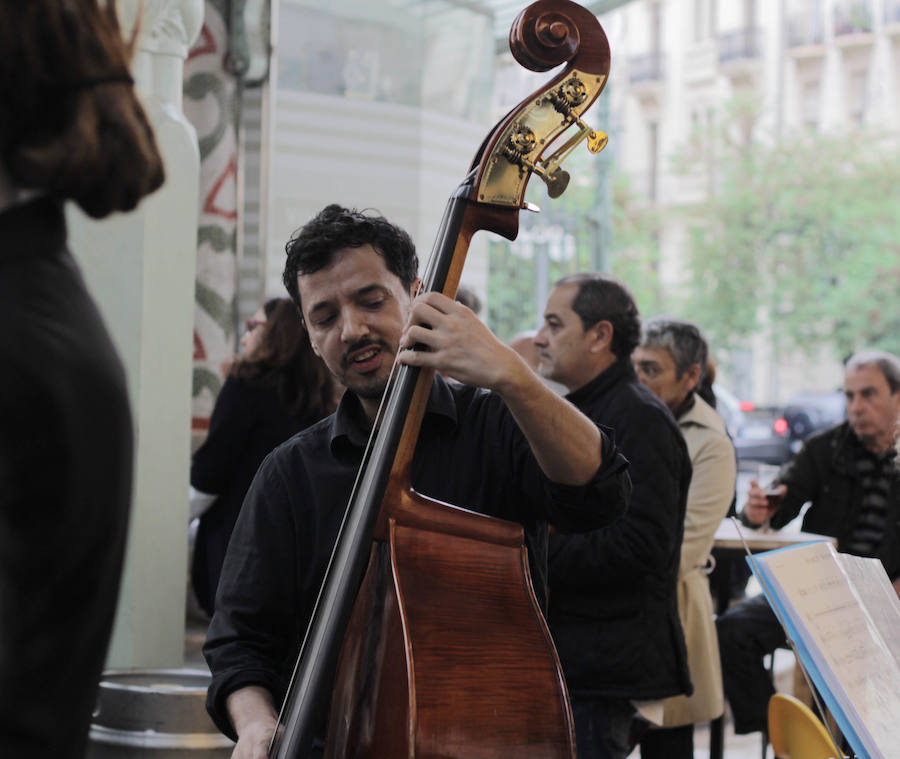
column 247, row 423
column 613, row 607
column 824, row 472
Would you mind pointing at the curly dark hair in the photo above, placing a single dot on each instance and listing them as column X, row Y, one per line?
column 601, row 297
column 313, row 246
column 72, row 125
column 285, row 360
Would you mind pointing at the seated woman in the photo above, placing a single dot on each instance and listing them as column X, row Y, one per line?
column 277, row 388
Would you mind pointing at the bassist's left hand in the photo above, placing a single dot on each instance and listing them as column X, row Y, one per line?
column 459, row 344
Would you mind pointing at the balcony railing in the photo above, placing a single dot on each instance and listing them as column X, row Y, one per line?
column 740, row 44
column 891, row 12
column 806, row 30
column 853, row 17
column 646, row 68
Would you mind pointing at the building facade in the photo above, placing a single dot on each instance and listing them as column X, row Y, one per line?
column 829, row 66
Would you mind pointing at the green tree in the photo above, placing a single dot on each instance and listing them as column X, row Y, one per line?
column 562, row 239
column 800, row 238
column 629, row 250
column 634, row 250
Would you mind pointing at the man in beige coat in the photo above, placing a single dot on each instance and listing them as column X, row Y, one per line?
column 672, row 360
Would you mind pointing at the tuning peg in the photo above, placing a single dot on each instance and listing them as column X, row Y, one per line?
column 522, row 140
column 556, row 180
column 596, row 141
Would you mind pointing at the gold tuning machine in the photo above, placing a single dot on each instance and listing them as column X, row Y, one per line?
column 556, row 180
column 571, row 94
column 516, row 154
column 550, row 170
column 596, row 141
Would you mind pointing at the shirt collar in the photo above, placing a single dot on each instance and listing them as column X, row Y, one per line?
column 701, row 414
column 348, row 427
column 620, row 370
column 686, row 405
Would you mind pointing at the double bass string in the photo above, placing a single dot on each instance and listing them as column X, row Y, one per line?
column 426, row 282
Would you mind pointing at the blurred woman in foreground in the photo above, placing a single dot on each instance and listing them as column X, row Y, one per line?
column 71, row 128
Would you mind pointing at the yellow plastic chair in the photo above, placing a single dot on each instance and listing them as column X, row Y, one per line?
column 795, row 732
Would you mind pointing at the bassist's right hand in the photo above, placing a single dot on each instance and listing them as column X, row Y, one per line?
column 253, row 743
column 254, row 718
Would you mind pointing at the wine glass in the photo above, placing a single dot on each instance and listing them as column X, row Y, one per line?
column 766, row 474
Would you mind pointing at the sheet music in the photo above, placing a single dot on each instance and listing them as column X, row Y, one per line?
column 877, row 594
column 834, row 608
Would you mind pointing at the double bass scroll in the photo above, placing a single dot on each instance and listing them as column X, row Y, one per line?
column 410, row 682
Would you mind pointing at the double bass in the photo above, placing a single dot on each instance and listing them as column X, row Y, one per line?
column 427, row 633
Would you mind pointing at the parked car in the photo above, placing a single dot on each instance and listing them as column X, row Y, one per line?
column 807, row 413
column 763, row 436
column 759, row 433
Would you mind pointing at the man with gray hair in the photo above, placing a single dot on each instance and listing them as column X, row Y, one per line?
column 672, row 360
column 849, row 476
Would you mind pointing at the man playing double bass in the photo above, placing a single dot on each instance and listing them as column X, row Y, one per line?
column 514, row 450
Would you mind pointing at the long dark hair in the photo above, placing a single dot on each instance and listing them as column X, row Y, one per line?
column 72, row 125
column 285, row 360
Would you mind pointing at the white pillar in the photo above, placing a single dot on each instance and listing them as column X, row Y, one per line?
column 834, row 92
column 140, row 267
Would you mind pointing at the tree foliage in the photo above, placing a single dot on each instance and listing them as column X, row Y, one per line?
column 564, row 238
column 800, row 239
column 634, row 250
column 797, row 239
column 608, row 225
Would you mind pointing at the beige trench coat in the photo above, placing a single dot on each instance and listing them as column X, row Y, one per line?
column 709, row 496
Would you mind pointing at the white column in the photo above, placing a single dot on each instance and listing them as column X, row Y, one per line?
column 140, row 267
column 834, row 91
column 882, row 86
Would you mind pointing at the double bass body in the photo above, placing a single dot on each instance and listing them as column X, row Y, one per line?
column 447, row 654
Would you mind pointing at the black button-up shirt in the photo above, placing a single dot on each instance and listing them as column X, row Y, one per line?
column 470, row 453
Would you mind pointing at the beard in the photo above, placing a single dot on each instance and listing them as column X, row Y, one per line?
column 370, row 386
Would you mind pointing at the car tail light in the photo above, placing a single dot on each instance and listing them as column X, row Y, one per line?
column 747, row 405
column 781, row 426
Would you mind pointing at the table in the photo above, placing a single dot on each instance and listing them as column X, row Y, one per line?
column 727, row 548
